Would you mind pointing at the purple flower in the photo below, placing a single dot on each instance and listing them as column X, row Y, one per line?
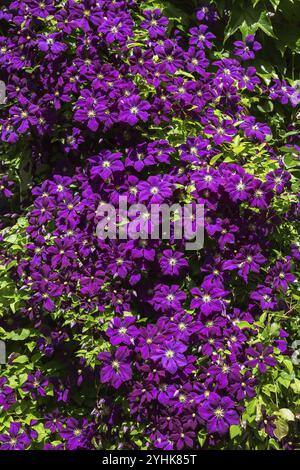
column 134, row 108
column 6, row 186
column 208, row 299
column 255, row 130
column 76, row 433
column 200, row 37
column 50, row 43
column 219, row 414
column 106, row 164
column 36, row 385
column 265, row 296
column 167, row 298
column 171, row 355
column 249, row 259
column 280, row 275
column 261, row 356
column 15, row 439
column 155, row 190
column 172, row 262
column 122, row 331
column 116, row 369
column 154, row 23
column 246, row 50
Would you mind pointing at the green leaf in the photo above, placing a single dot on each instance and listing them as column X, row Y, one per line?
column 266, row 107
column 20, row 360
column 281, row 429
column 18, row 335
column 287, row 414
column 264, row 23
column 235, row 430
column 202, row 437
column 295, row 386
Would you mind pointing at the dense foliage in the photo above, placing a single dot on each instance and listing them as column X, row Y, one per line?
column 128, row 344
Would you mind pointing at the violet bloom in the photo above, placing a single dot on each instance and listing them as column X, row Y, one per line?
column 172, row 262
column 132, row 109
column 36, row 385
column 171, row 355
column 200, row 37
column 246, row 50
column 5, row 187
column 261, row 356
column 7, row 395
column 278, row 180
column 122, row 331
column 15, row 439
column 90, row 110
column 249, row 79
column 244, row 387
column 154, row 23
column 265, row 296
column 116, row 369
column 248, row 259
column 267, row 423
column 255, row 130
column 76, row 433
column 224, row 231
column 54, row 422
column 239, row 186
column 167, row 298
column 284, row 93
column 208, row 299
column 50, row 43
column 155, row 190
column 106, row 164
column 24, row 115
column 280, row 275
column 219, row 414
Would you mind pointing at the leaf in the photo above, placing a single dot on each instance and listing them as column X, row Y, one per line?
column 20, row 360
column 18, row 335
column 281, row 429
column 264, row 23
column 275, row 4
column 202, row 437
column 296, row 386
column 235, row 430
column 265, row 107
column 236, row 20
column 287, row 414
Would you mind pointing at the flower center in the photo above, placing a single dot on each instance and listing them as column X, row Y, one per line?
column 134, row 110
column 219, row 412
column 169, row 354
column 115, row 365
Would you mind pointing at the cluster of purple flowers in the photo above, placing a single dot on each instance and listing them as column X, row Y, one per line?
column 175, row 359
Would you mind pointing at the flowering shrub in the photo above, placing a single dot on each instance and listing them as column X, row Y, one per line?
column 141, row 344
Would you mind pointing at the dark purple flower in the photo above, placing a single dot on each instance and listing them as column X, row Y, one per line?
column 171, row 355
column 116, row 369
column 219, row 414
column 246, row 50
column 14, row 439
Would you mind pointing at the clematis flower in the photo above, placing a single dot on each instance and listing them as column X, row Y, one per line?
column 133, row 109
column 36, row 385
column 246, row 50
column 171, row 355
column 261, row 356
column 172, row 262
column 116, row 369
column 219, row 414
column 14, row 439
